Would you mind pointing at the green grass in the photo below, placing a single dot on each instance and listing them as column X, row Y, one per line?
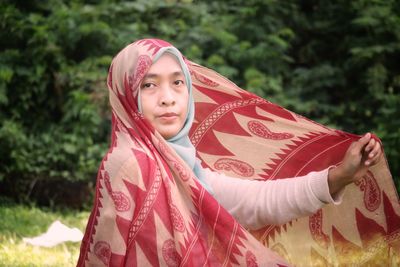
column 18, row 221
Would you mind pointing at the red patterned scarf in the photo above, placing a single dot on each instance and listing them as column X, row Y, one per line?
column 150, row 210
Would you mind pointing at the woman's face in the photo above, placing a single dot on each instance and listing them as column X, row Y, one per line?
column 164, row 96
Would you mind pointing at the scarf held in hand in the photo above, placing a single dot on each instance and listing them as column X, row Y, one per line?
column 151, row 210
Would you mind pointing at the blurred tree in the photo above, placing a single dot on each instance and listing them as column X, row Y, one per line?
column 346, row 70
column 335, row 62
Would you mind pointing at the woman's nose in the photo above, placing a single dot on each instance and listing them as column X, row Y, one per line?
column 167, row 97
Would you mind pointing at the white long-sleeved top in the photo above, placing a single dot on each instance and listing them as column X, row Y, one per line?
column 257, row 203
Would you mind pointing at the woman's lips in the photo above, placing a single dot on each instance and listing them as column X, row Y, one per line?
column 168, row 117
column 169, row 114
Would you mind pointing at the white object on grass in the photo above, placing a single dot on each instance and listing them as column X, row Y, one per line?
column 56, row 234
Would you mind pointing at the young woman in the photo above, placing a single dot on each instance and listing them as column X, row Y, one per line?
column 157, row 204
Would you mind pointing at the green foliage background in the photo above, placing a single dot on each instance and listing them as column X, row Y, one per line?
column 337, row 62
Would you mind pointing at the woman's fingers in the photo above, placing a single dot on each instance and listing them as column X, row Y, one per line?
column 358, row 146
column 370, row 145
column 374, row 155
column 375, row 150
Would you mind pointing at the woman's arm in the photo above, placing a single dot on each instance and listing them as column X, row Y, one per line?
column 258, row 203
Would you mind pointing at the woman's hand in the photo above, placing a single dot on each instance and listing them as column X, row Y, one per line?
column 361, row 155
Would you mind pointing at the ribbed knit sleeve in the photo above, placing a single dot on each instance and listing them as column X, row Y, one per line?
column 258, row 203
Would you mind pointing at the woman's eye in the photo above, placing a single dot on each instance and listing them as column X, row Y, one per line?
column 178, row 82
column 147, row 85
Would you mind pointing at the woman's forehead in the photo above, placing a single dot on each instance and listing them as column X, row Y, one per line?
column 167, row 64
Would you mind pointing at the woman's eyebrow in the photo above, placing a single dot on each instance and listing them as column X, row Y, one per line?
column 155, row 75
column 150, row 75
column 177, row 73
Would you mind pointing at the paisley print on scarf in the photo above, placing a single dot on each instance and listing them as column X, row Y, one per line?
column 215, row 115
column 121, row 201
column 176, row 216
column 170, row 255
column 178, row 166
column 181, row 170
column 205, row 80
column 237, row 166
column 259, row 129
column 103, row 251
column 372, row 192
column 144, row 63
column 177, row 219
column 315, row 224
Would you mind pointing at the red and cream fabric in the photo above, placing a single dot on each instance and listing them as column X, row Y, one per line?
column 150, row 210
